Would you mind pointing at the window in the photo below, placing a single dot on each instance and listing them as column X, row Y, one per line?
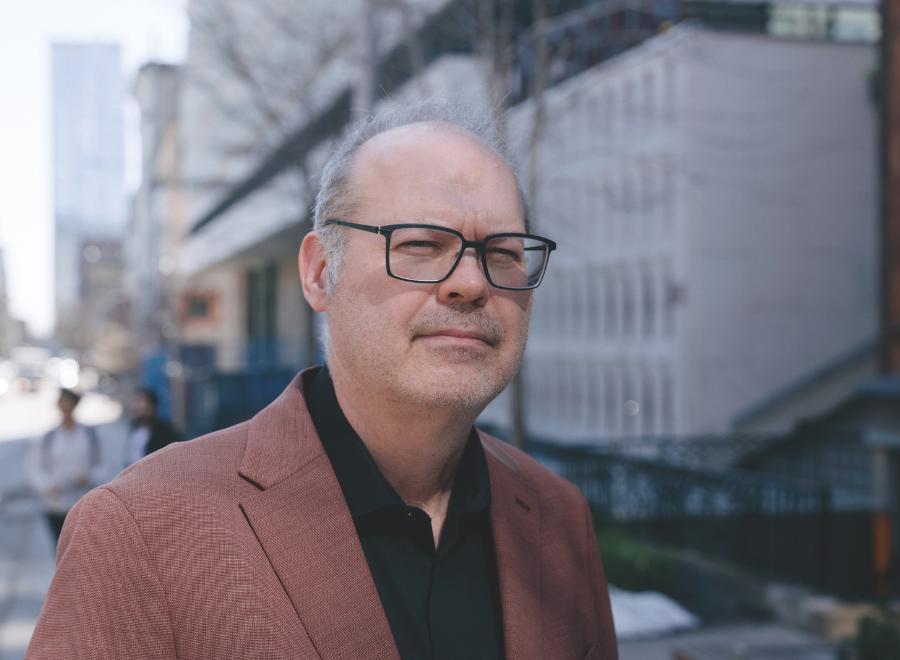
column 594, row 397
column 648, row 402
column 648, row 296
column 672, row 296
column 649, row 98
column 611, row 303
column 626, row 207
column 585, row 302
column 629, row 303
column 667, row 404
column 261, row 314
column 667, row 195
column 630, row 101
column 197, row 308
column 611, row 401
column 595, row 298
column 631, row 402
column 670, row 85
column 609, row 107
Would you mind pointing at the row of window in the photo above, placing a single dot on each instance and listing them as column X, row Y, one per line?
column 637, row 100
column 608, row 301
column 586, row 399
column 647, row 93
column 632, row 204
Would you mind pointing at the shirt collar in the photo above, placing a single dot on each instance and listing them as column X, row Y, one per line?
column 365, row 488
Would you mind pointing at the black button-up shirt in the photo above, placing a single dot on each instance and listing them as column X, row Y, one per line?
column 441, row 603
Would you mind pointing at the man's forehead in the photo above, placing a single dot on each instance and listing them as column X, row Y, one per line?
column 426, row 139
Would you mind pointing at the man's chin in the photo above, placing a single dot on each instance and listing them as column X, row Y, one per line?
column 458, row 383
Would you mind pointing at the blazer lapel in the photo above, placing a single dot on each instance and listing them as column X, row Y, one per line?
column 301, row 520
column 515, row 521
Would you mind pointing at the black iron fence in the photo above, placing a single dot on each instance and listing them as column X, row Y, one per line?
column 783, row 528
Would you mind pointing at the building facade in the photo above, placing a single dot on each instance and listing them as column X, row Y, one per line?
column 157, row 217
column 88, row 167
column 711, row 192
column 713, row 198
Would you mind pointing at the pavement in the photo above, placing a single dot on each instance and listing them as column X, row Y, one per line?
column 737, row 641
column 26, row 568
column 27, row 549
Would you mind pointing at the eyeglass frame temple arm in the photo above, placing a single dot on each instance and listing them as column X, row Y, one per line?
column 344, row 223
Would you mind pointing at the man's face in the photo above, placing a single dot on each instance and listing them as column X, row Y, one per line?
column 66, row 405
column 456, row 343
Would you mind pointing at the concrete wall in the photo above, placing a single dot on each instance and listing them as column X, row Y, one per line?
column 779, row 178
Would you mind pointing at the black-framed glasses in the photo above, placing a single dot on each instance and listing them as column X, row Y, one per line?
column 428, row 254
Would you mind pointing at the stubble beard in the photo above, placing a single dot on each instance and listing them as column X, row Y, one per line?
column 455, row 378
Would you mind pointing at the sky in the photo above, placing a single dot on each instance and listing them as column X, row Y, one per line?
column 145, row 30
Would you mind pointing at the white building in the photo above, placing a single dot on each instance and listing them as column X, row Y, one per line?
column 713, row 196
column 714, row 199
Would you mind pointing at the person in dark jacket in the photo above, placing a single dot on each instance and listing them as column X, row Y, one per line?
column 149, row 432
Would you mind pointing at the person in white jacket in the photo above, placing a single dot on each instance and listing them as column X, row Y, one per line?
column 65, row 463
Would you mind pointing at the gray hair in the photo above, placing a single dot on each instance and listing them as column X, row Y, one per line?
column 335, row 198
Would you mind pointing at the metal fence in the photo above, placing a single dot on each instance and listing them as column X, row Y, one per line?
column 783, row 528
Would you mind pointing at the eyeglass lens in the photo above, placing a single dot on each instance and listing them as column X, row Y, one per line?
column 428, row 255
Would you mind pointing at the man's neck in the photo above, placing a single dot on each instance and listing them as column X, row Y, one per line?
column 418, row 450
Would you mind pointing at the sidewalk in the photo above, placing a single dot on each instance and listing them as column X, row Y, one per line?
column 744, row 641
column 27, row 552
column 26, row 568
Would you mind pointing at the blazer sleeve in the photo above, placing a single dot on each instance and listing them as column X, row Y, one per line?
column 605, row 631
column 105, row 600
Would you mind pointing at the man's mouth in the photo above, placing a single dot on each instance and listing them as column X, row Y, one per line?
column 457, row 335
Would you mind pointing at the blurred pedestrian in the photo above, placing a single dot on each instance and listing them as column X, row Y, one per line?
column 65, row 464
column 149, row 432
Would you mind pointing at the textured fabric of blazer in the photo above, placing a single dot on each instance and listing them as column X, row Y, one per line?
column 240, row 545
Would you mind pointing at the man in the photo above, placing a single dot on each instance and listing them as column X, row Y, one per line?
column 360, row 515
column 149, row 432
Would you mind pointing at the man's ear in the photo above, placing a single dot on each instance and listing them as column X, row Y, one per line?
column 311, row 264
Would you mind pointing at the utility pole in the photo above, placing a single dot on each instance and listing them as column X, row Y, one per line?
column 538, row 84
column 890, row 186
column 368, row 88
column 886, row 525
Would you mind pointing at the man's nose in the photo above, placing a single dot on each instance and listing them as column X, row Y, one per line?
column 467, row 282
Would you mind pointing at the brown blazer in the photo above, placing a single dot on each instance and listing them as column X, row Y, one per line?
column 240, row 545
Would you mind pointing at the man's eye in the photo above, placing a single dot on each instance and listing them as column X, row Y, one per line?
column 418, row 246
column 504, row 256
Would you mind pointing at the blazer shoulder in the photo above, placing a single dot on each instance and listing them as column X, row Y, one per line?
column 209, row 462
